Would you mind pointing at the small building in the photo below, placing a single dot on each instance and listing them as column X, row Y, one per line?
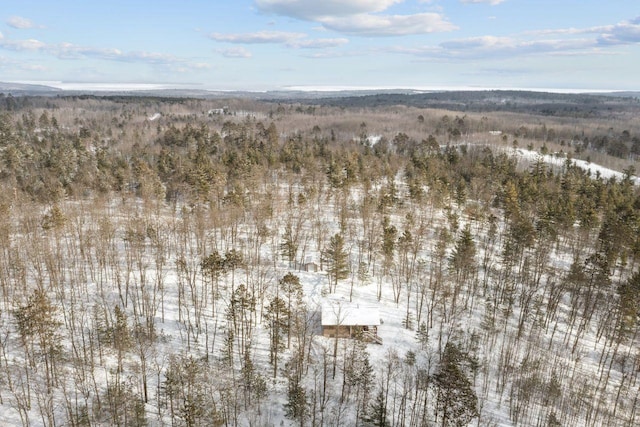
column 308, row 265
column 311, row 267
column 348, row 320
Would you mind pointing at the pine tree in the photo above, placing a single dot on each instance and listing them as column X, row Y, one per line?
column 120, row 406
column 629, row 302
column 277, row 317
column 120, row 335
column 290, row 285
column 38, row 326
column 337, row 257
column 389, row 234
column 462, row 259
column 240, row 313
column 213, row 266
column 457, row 403
column 377, row 415
column 296, row 407
column 233, row 259
column 422, row 335
column 289, row 245
column 186, row 388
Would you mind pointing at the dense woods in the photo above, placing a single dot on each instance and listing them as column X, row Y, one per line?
column 155, row 264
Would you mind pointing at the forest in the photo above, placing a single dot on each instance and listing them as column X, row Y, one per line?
column 155, row 254
column 583, row 105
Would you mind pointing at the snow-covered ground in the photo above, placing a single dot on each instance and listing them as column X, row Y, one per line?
column 145, row 259
column 559, row 161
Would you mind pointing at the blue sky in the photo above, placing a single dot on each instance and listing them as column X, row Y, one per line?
column 276, row 44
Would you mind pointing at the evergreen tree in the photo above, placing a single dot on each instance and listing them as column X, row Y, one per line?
column 462, row 260
column 629, row 304
column 337, row 258
column 377, row 415
column 290, row 285
column 296, row 406
column 253, row 382
column 456, row 403
column 240, row 313
column 213, row 266
column 189, row 397
column 38, row 326
column 289, row 245
column 422, row 335
column 389, row 234
column 233, row 259
column 277, row 317
column 120, row 335
column 120, row 406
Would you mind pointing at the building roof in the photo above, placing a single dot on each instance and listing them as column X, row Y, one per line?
column 349, row 314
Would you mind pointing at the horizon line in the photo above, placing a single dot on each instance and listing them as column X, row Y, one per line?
column 139, row 87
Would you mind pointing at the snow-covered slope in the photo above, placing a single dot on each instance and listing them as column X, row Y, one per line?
column 136, row 312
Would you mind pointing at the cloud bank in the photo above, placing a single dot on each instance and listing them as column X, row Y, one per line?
column 358, row 17
column 258, row 37
column 70, row 51
column 289, row 39
column 314, row 10
column 557, row 42
column 235, row 52
column 389, row 25
column 491, row 2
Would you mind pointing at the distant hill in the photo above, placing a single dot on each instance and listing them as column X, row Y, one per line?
column 543, row 103
column 27, row 89
column 530, row 102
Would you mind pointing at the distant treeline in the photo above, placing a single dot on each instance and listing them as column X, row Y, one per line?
column 544, row 103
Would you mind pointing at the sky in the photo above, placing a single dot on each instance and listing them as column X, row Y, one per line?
column 262, row 45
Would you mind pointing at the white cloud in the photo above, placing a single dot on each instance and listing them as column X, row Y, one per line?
column 484, row 42
column 625, row 32
column 490, row 47
column 21, row 23
column 293, row 40
column 318, row 43
column 19, row 45
column 557, row 42
column 258, row 37
column 70, row 51
column 491, row 2
column 562, row 31
column 622, row 33
column 235, row 52
column 140, row 56
column 481, row 47
column 312, row 10
column 358, row 17
column 337, row 54
column 389, row 25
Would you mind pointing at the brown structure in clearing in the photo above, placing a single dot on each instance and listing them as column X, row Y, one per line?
column 345, row 320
